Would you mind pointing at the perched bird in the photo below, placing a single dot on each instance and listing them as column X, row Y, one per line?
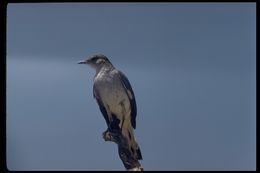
column 115, row 98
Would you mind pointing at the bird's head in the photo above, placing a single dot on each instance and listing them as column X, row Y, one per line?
column 96, row 61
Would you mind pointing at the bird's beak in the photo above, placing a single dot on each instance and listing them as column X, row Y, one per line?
column 83, row 62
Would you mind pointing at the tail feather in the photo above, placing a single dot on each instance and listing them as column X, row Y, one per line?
column 128, row 132
column 139, row 154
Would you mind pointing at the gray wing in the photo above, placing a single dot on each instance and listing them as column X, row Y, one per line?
column 128, row 88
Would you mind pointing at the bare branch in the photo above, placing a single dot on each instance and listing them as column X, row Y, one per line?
column 129, row 161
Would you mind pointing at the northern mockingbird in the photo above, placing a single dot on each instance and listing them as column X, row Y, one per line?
column 115, row 98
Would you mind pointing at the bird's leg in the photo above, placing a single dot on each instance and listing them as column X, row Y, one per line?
column 106, row 135
column 110, row 134
column 113, row 131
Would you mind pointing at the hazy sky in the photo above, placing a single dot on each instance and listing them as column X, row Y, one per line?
column 192, row 67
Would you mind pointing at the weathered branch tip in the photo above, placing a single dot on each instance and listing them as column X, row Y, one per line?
column 129, row 161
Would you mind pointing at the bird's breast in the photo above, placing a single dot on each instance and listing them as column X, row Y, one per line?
column 112, row 93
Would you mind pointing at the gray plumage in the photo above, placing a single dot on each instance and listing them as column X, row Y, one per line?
column 116, row 99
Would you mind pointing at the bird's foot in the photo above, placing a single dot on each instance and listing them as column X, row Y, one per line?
column 110, row 135
column 106, row 135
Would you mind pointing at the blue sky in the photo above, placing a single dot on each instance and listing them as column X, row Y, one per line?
column 192, row 67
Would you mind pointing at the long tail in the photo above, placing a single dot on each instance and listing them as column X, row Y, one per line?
column 128, row 133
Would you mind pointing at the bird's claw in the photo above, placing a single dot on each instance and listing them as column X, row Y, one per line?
column 106, row 135
column 109, row 135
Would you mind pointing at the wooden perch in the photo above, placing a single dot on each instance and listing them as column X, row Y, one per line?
column 130, row 163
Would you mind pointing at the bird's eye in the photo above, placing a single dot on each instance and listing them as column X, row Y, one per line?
column 98, row 61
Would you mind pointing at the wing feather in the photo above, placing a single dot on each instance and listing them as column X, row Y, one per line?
column 131, row 96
